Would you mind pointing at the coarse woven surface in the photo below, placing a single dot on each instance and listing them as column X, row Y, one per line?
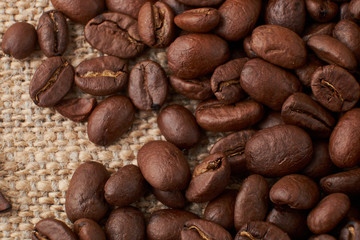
column 40, row 149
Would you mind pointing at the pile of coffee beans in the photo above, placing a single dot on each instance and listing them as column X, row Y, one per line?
column 279, row 77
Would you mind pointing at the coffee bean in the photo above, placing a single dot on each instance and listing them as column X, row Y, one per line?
column 176, row 6
column 278, row 151
column 335, row 88
column 4, row 204
column 102, row 75
column 164, row 166
column 52, row 32
column 344, row 12
column 166, row 224
column 343, row 182
column 110, row 119
column 19, row 40
column 305, row 72
column 251, row 201
column 328, row 213
column 354, row 7
column 172, row 199
column 195, row 55
column 260, row 230
column 128, row 7
column 247, row 48
column 198, row 229
column 216, row 116
column 267, row 83
column 201, row 3
column 318, row 29
column 85, row 195
column 51, row 81
column 76, row 109
column 199, row 20
column 348, row 32
column 125, row 186
column 49, row 228
column 114, row 34
column 322, row 237
column 148, row 85
column 271, row 120
column 350, row 231
column 198, row 89
column 87, row 229
column 209, row 178
column 321, row 10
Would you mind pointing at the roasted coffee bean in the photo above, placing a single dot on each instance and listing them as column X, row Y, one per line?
column 164, row 166
column 318, row 29
column 348, row 32
column 279, row 46
column 80, row 11
column 85, row 195
column 52, row 229
column 76, row 109
column 225, row 81
column 350, row 231
column 289, row 14
column 221, row 209
column 252, row 201
column 102, row 75
column 344, row 12
column 148, row 85
column 172, row 199
column 278, row 151
column 199, row 20
column 19, row 40
column 51, row 81
column 343, row 182
column 322, row 237
column 110, row 119
column 176, row 6
column 201, row 3
column 125, row 223
column 305, row 72
column 247, row 48
column 328, row 213
column 261, row 231
column 233, row 146
column 335, row 88
column 198, row 89
column 129, row 7
column 52, row 32
column 156, row 24
column 178, row 125
column 87, row 229
column 238, row 18
column 209, row 178
column 199, row 229
column 267, row 83
column 216, row 116
column 354, row 7
column 195, row 55
column 166, row 224
column 271, row 120
column 114, row 34
column 125, row 186
column 4, row 204
column 301, row 110
column 321, row 10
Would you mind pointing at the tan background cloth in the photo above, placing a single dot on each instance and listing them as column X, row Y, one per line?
column 40, row 149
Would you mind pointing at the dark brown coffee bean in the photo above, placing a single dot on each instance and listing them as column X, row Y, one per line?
column 225, row 81
column 52, row 229
column 322, row 10
column 166, row 224
column 335, row 88
column 278, row 151
column 354, row 7
column 4, row 204
column 172, row 199
column 85, row 195
column 345, row 12
column 305, row 72
column 279, row 46
column 271, row 120
column 178, row 125
column 221, row 209
column 125, row 223
column 125, row 186
column 199, row 20
column 115, row 34
column 19, row 40
column 247, row 48
column 187, row 54
column 76, row 109
column 209, row 178
column 156, row 24
column 216, row 116
column 102, row 75
column 164, row 166
column 52, row 32
column 87, row 229
column 129, row 7
column 350, row 231
column 322, row 237
column 318, row 29
column 51, row 81
column 176, row 6
column 343, row 182
column 198, row 89
column 110, row 119
column 260, row 230
column 199, row 229
column 80, row 11
column 289, row 14
column 148, row 85
column 267, row 83
column 201, row 3
column 237, row 18
column 348, row 32
column 328, row 213
column 251, row 201
column 233, row 146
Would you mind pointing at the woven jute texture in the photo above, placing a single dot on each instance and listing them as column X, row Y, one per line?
column 40, row 149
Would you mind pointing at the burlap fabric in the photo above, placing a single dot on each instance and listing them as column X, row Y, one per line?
column 40, row 149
